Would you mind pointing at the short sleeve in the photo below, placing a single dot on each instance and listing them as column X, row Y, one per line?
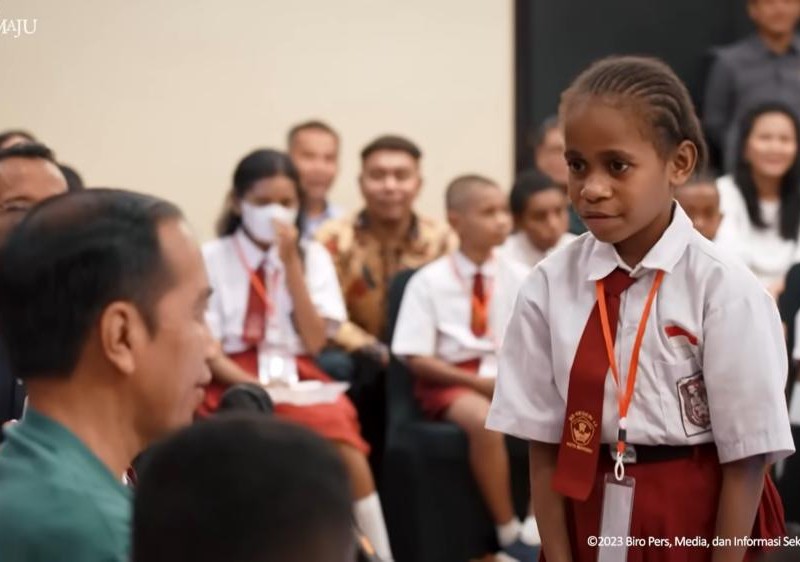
column 214, row 312
column 796, row 350
column 526, row 401
column 415, row 331
column 323, row 285
column 745, row 368
column 510, row 276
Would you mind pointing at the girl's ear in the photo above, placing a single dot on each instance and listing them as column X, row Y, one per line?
column 683, row 163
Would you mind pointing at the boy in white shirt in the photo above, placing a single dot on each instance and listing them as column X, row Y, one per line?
column 445, row 334
column 539, row 208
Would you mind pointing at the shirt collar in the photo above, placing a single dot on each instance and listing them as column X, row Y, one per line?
column 603, row 257
column 467, row 268
column 794, row 46
column 254, row 255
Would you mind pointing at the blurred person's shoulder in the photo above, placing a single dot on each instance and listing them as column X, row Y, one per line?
column 740, row 51
column 434, row 237
column 338, row 234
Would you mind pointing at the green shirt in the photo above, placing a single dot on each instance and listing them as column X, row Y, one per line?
column 58, row 501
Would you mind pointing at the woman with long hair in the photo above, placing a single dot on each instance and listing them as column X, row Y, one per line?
column 760, row 202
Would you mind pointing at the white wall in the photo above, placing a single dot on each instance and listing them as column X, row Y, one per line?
column 165, row 96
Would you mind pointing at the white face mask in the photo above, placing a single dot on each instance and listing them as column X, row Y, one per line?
column 259, row 220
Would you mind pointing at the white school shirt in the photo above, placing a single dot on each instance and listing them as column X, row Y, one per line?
column 518, row 247
column 796, row 350
column 435, row 314
column 230, row 282
column 738, row 356
column 767, row 255
column 516, row 258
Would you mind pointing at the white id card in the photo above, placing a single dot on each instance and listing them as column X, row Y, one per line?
column 277, row 367
column 615, row 521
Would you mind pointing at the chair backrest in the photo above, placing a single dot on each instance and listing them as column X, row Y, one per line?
column 400, row 404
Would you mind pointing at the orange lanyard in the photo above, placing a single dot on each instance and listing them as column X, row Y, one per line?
column 255, row 278
column 624, row 399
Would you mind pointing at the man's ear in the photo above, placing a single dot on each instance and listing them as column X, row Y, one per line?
column 122, row 331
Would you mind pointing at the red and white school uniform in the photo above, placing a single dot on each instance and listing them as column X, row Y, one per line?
column 709, row 388
column 445, row 314
column 515, row 260
column 251, row 331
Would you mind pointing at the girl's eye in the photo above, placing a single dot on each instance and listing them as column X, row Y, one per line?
column 576, row 166
column 618, row 166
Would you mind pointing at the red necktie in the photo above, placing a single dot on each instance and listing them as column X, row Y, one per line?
column 479, row 321
column 255, row 318
column 580, row 440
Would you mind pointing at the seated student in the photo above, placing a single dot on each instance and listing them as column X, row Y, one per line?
column 276, row 301
column 539, row 208
column 760, row 201
column 548, row 158
column 445, row 335
column 102, row 295
column 699, row 197
column 243, row 488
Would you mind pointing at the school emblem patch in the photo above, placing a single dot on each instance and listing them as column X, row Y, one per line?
column 694, row 405
column 582, row 427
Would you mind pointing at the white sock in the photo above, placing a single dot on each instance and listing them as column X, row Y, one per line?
column 369, row 518
column 530, row 531
column 508, row 533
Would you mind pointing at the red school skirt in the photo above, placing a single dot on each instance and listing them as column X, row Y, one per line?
column 337, row 421
column 674, row 498
column 435, row 399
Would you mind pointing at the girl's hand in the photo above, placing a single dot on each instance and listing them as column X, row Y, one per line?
column 287, row 241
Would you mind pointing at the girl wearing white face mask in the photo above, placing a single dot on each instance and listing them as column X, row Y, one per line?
column 275, row 302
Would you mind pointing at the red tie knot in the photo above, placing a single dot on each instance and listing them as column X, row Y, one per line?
column 617, row 282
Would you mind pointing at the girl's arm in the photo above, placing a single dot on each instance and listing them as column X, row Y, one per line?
column 310, row 325
column 226, row 372
column 742, row 485
column 548, row 504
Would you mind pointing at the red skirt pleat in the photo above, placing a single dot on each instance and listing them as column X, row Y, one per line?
column 434, row 399
column 676, row 498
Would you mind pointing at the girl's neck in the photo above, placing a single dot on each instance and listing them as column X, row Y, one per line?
column 768, row 188
column 633, row 249
column 475, row 254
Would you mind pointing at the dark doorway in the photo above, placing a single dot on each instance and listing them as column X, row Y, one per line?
column 556, row 40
